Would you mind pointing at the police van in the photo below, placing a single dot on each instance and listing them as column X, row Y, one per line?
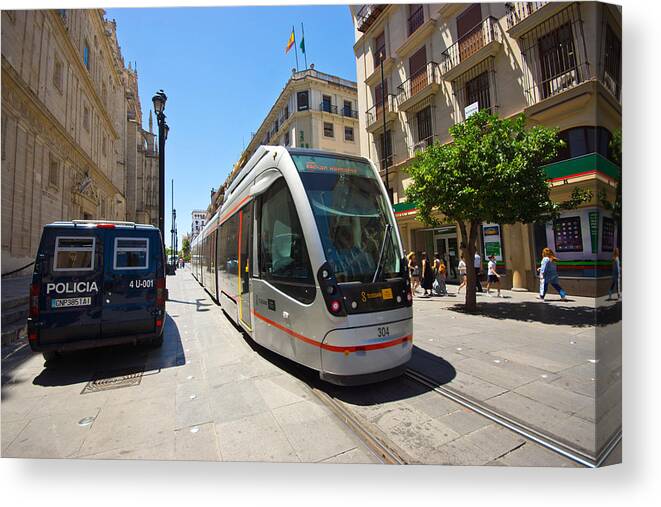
column 95, row 284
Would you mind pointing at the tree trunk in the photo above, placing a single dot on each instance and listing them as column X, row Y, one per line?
column 468, row 249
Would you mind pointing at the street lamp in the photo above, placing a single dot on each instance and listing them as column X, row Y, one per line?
column 382, row 57
column 159, row 100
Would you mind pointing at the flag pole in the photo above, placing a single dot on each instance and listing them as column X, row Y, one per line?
column 304, row 48
column 295, row 49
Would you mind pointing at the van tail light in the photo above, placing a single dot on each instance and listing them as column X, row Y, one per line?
column 159, row 322
column 161, row 292
column 35, row 290
column 105, row 226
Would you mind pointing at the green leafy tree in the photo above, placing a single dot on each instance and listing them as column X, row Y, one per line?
column 615, row 206
column 490, row 172
column 185, row 248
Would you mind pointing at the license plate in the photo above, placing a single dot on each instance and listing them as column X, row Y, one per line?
column 68, row 302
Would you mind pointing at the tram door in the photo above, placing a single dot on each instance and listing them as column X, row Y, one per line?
column 245, row 247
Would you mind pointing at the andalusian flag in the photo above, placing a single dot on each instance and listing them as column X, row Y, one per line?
column 291, row 41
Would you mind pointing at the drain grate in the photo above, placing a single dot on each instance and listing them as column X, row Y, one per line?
column 108, row 381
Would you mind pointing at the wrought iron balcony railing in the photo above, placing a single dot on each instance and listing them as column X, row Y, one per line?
column 374, row 113
column 367, row 15
column 422, row 145
column 415, row 20
column 418, row 81
column 479, row 36
column 518, row 11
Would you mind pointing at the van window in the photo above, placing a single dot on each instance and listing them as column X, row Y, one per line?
column 74, row 254
column 131, row 253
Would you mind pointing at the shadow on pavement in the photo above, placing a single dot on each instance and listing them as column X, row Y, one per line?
column 106, row 362
column 199, row 307
column 433, row 366
column 548, row 313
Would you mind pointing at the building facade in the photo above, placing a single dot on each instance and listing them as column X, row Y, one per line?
column 559, row 63
column 198, row 219
column 72, row 144
column 314, row 110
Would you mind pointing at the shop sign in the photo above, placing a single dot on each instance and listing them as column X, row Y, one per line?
column 471, row 109
column 491, row 240
column 593, row 218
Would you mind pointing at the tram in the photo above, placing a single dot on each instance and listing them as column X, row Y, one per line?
column 305, row 255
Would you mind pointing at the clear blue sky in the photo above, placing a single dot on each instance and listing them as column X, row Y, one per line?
column 222, row 68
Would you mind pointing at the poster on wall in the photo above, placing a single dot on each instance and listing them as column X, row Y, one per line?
column 491, row 239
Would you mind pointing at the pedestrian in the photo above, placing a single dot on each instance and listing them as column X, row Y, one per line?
column 616, row 274
column 548, row 274
column 477, row 264
column 462, row 273
column 440, row 274
column 414, row 271
column 492, row 275
column 426, row 274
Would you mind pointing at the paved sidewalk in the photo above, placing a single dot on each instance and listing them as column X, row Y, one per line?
column 553, row 365
column 15, row 287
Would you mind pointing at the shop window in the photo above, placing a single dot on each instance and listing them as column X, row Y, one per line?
column 567, row 234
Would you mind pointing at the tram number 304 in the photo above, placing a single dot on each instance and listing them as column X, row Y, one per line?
column 141, row 284
column 383, row 331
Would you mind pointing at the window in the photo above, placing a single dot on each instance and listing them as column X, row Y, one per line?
column 379, row 148
column 58, row 74
column 379, row 49
column 418, row 70
column 86, row 118
column 378, row 96
column 328, row 130
column 477, row 90
column 348, row 134
column 557, row 59
column 86, row 55
column 613, row 62
column 416, row 17
column 326, row 103
column 53, row 171
column 131, row 253
column 74, row 253
column 283, row 255
column 567, row 234
column 287, row 140
column 584, row 140
column 347, row 110
column 423, row 119
column 302, row 101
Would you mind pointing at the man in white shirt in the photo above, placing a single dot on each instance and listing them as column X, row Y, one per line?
column 478, row 268
column 492, row 275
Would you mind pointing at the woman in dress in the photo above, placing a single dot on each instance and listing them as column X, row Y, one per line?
column 426, row 274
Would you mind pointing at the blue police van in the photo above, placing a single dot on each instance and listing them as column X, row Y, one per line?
column 96, row 284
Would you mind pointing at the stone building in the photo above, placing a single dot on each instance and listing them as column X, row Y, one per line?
column 314, row 110
column 72, row 142
column 198, row 219
column 559, row 63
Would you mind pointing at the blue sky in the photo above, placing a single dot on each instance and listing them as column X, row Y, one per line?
column 222, row 68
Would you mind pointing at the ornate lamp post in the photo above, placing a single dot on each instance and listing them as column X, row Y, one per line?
column 159, row 100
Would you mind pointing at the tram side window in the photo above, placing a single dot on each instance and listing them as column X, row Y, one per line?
column 283, row 259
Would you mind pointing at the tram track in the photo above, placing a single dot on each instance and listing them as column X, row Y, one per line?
column 388, row 452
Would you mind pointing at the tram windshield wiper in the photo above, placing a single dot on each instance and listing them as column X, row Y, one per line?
column 383, row 248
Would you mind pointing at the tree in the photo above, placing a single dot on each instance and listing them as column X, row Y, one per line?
column 615, row 207
column 185, row 248
column 490, row 172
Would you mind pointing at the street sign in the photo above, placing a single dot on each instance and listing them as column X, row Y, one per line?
column 471, row 109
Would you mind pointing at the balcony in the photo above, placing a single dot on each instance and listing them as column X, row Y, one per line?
column 375, row 114
column 524, row 16
column 420, row 85
column 327, row 107
column 480, row 43
column 347, row 112
column 367, row 15
column 415, row 21
column 422, row 145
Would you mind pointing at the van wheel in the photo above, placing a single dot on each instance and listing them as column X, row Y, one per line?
column 51, row 355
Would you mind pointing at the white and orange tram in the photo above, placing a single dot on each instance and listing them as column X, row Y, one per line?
column 305, row 256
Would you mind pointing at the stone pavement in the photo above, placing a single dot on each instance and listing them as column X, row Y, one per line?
column 553, row 365
column 205, row 395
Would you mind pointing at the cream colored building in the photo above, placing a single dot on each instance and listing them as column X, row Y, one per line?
column 72, row 142
column 314, row 110
column 559, row 63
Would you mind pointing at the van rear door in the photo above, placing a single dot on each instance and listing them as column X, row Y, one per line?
column 129, row 287
column 69, row 280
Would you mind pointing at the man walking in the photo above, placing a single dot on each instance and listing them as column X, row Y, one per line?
column 478, row 268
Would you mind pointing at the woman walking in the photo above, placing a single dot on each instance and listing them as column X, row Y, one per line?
column 440, row 274
column 462, row 273
column 426, row 274
column 548, row 274
column 616, row 273
column 414, row 271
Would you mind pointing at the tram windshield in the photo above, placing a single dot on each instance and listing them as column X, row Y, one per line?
column 351, row 213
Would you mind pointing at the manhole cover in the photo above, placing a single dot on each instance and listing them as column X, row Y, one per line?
column 106, row 382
